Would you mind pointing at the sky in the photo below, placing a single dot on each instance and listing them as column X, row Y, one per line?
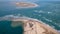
column 29, row 0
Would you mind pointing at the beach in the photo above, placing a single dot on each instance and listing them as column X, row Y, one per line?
column 26, row 4
column 33, row 26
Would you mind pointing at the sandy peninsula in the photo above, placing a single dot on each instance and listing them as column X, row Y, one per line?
column 26, row 4
column 33, row 26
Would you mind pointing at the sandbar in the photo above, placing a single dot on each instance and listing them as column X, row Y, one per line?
column 34, row 26
column 26, row 4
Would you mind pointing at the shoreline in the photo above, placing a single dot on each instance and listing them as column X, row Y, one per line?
column 39, row 25
column 26, row 5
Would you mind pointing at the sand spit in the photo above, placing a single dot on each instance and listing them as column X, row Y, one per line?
column 26, row 4
column 33, row 26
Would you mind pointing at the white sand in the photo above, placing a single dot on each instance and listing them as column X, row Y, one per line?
column 26, row 5
column 33, row 26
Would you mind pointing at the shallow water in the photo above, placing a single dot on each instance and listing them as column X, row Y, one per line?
column 48, row 12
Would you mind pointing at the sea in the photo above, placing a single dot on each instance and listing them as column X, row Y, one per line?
column 47, row 11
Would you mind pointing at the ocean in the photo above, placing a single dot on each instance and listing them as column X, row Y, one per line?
column 47, row 11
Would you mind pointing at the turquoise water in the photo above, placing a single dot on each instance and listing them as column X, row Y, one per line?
column 5, row 28
column 48, row 12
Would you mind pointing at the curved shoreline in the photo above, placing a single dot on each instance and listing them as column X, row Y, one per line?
column 26, row 5
column 41, row 27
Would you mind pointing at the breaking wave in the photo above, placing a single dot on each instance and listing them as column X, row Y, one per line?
column 10, row 17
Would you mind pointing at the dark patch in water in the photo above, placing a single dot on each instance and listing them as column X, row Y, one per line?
column 5, row 28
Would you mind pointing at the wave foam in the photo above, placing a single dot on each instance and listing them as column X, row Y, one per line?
column 47, row 19
column 8, row 17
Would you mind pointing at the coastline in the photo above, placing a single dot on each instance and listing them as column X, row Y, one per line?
column 38, row 24
column 18, row 4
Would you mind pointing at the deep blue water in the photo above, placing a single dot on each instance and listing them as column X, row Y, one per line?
column 48, row 12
